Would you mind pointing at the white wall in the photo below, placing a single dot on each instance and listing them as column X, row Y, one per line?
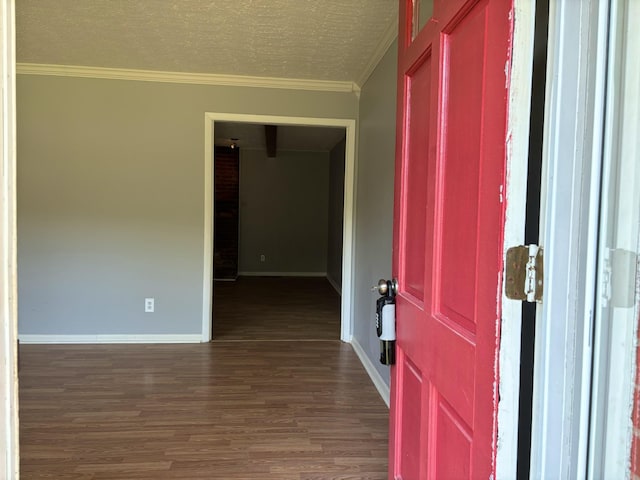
column 374, row 203
column 284, row 204
column 111, row 198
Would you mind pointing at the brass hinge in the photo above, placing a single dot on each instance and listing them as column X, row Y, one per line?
column 524, row 273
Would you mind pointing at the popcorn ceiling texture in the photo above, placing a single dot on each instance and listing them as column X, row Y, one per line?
column 304, row 39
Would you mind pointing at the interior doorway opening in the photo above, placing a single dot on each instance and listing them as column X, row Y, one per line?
column 258, row 275
column 278, row 224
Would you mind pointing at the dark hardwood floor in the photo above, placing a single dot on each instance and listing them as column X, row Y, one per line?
column 285, row 410
column 276, row 308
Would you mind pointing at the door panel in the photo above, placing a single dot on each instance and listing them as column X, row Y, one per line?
column 451, row 362
column 462, row 82
column 411, row 420
column 453, row 432
column 450, row 165
column 418, row 86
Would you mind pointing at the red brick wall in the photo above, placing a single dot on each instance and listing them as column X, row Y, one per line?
column 226, row 190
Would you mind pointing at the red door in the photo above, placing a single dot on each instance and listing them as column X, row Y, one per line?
column 449, row 222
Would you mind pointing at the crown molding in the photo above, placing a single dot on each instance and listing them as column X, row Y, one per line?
column 188, row 78
column 389, row 35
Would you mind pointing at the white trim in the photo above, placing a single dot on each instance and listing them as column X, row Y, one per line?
column 207, row 272
column 335, row 285
column 83, row 339
column 516, row 198
column 282, row 274
column 615, row 331
column 348, row 241
column 9, row 443
column 597, row 56
column 348, row 235
column 184, row 77
column 568, row 233
column 374, row 375
column 389, row 35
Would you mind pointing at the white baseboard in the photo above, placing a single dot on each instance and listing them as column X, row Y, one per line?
column 164, row 338
column 282, row 274
column 335, row 285
column 375, row 376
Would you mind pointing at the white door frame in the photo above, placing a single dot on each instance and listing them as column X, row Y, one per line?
column 9, row 460
column 615, row 331
column 572, row 150
column 348, row 237
column 520, row 86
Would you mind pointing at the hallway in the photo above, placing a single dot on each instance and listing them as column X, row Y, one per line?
column 281, row 410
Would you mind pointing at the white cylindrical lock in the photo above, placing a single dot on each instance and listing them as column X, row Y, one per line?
column 388, row 321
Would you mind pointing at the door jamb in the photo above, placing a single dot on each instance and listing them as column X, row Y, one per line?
column 9, row 446
column 516, row 198
column 348, row 237
column 611, row 442
column 568, row 231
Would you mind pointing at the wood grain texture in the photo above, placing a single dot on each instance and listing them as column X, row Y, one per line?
column 285, row 410
column 276, row 308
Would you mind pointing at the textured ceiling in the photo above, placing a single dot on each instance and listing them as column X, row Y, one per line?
column 303, row 39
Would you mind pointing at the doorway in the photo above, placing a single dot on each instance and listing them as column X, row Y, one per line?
column 278, row 224
column 215, row 121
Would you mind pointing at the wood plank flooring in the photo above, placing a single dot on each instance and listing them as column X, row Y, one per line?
column 276, row 308
column 232, row 410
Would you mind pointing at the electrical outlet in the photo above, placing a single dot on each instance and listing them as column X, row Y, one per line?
column 149, row 305
column 262, row 258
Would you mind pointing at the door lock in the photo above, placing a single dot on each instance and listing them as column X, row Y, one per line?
column 386, row 287
column 386, row 319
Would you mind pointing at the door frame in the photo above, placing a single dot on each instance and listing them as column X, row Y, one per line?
column 572, row 152
column 348, row 222
column 518, row 124
column 613, row 444
column 9, row 446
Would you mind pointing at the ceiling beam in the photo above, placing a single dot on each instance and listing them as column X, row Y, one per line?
column 271, row 136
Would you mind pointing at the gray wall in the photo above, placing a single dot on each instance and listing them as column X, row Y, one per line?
column 111, row 198
column 284, row 203
column 374, row 203
column 336, row 214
